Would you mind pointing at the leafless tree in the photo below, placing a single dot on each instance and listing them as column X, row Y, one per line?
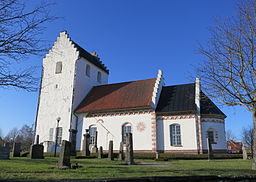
column 11, row 135
column 247, row 137
column 230, row 136
column 228, row 71
column 20, row 29
column 25, row 137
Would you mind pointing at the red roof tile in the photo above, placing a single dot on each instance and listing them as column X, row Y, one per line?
column 135, row 94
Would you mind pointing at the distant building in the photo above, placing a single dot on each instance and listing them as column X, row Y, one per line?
column 75, row 96
column 234, row 147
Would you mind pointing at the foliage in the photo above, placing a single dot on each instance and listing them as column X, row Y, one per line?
column 228, row 71
column 27, row 169
column 247, row 137
column 20, row 29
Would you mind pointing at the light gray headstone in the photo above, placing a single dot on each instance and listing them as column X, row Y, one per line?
column 121, row 151
column 129, row 149
column 245, row 157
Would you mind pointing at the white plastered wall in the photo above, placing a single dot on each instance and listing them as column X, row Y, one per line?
column 218, row 126
column 110, row 128
column 188, row 134
column 56, row 89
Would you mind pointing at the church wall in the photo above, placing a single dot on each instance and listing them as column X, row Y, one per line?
column 84, row 83
column 56, row 90
column 188, row 133
column 110, row 128
column 218, row 126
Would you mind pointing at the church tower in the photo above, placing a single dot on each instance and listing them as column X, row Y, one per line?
column 69, row 73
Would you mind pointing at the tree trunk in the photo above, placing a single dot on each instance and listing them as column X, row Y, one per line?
column 254, row 139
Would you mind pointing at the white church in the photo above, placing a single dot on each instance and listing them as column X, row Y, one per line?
column 75, row 96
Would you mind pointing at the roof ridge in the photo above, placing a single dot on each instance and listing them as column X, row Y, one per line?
column 125, row 82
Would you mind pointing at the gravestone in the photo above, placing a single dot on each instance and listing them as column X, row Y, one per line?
column 245, row 157
column 157, row 155
column 73, row 141
column 37, row 150
column 100, row 153
column 16, row 149
column 64, row 159
column 129, row 149
column 86, row 150
column 110, row 150
column 210, row 152
column 121, row 151
column 5, row 151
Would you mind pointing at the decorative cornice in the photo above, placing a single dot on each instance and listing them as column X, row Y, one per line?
column 212, row 120
column 190, row 116
column 121, row 113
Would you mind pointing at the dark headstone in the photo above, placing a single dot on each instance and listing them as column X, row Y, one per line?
column 100, row 153
column 121, row 151
column 64, row 159
column 110, row 150
column 210, row 152
column 86, row 150
column 37, row 151
column 73, row 141
column 245, row 157
column 129, row 149
column 5, row 151
column 16, row 149
column 37, row 139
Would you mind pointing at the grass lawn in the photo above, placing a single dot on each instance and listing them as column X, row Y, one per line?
column 43, row 169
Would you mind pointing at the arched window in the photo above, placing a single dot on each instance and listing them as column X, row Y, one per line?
column 99, row 77
column 58, row 68
column 210, row 135
column 175, row 135
column 126, row 128
column 88, row 70
column 92, row 132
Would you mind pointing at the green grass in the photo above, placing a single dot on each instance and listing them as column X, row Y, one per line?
column 43, row 169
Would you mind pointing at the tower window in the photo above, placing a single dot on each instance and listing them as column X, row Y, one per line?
column 99, row 77
column 175, row 135
column 88, row 69
column 58, row 68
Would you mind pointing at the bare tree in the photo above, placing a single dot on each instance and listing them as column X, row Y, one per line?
column 11, row 135
column 228, row 71
column 20, row 29
column 230, row 136
column 25, row 137
column 247, row 137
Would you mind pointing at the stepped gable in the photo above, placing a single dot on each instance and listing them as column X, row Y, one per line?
column 119, row 96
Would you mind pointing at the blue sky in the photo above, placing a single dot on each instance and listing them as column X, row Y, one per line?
column 134, row 38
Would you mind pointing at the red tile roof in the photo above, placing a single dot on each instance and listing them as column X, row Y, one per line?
column 135, row 94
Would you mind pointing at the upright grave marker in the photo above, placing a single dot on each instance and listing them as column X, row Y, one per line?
column 245, row 157
column 210, row 152
column 110, row 150
column 16, row 149
column 5, row 151
column 121, row 151
column 86, row 150
column 64, row 159
column 100, row 153
column 37, row 150
column 129, row 149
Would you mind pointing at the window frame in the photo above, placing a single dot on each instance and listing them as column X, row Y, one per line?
column 175, row 135
column 92, row 139
column 99, row 77
column 126, row 130
column 88, row 70
column 58, row 67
